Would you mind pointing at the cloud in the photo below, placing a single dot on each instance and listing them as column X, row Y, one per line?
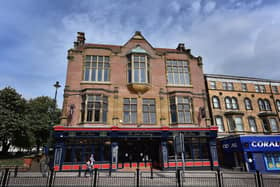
column 232, row 37
column 209, row 7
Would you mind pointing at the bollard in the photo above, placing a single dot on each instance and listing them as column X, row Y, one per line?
column 51, row 178
column 259, row 178
column 152, row 173
column 219, row 177
column 137, row 177
column 16, row 171
column 178, row 177
column 80, row 171
column 95, row 177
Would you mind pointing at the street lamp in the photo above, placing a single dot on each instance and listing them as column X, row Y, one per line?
column 56, row 85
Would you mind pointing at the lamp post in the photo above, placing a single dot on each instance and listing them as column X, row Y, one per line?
column 56, row 85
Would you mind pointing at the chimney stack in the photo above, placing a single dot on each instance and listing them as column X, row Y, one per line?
column 181, row 47
column 80, row 39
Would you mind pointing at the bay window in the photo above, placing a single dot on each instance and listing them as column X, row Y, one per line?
column 138, row 69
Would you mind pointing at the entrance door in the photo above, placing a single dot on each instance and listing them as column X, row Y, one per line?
column 133, row 151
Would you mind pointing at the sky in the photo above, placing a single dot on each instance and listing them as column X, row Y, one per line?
column 233, row 37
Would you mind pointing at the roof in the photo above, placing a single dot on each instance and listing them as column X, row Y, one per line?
column 239, row 78
column 117, row 48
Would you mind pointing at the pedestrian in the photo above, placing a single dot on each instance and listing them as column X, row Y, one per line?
column 92, row 160
column 89, row 168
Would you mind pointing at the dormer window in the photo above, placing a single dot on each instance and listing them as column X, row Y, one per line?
column 138, row 69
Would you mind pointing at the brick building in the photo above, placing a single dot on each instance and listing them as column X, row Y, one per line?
column 246, row 111
column 126, row 104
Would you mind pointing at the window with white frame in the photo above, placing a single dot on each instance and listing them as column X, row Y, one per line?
column 270, row 125
column 130, row 110
column 260, row 88
column 96, row 68
column 278, row 105
column 149, row 111
column 178, row 72
column 231, row 103
column 180, row 108
column 264, row 105
column 252, row 124
column 248, row 104
column 275, row 89
column 244, row 87
column 216, row 102
column 212, row 85
column 94, row 108
column 228, row 86
column 138, row 69
column 219, row 123
column 273, row 125
column 235, row 123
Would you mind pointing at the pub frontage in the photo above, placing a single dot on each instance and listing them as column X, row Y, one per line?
column 117, row 148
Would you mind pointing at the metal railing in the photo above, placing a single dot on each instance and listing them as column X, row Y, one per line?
column 14, row 178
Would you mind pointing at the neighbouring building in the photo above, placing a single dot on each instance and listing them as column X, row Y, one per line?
column 246, row 111
column 126, row 104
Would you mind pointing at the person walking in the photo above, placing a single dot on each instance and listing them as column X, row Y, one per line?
column 89, row 168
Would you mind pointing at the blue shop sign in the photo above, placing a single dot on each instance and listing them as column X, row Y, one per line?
column 232, row 145
column 261, row 143
column 252, row 143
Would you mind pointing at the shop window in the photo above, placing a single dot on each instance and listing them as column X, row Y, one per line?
column 248, row 104
column 149, row 111
column 180, row 108
column 130, row 110
column 178, row 72
column 252, row 124
column 96, row 68
column 78, row 154
column 219, row 123
column 272, row 161
column 68, row 154
column 216, row 102
column 94, row 108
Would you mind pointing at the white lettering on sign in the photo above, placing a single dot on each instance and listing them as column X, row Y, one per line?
column 265, row 144
column 232, row 145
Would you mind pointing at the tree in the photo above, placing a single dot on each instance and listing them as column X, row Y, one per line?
column 12, row 110
column 41, row 116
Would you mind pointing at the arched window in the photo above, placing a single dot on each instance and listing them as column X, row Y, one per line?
column 216, row 102
column 248, row 104
column 252, row 124
column 267, row 105
column 261, row 105
column 234, row 103
column 278, row 105
column 219, row 123
column 228, row 102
